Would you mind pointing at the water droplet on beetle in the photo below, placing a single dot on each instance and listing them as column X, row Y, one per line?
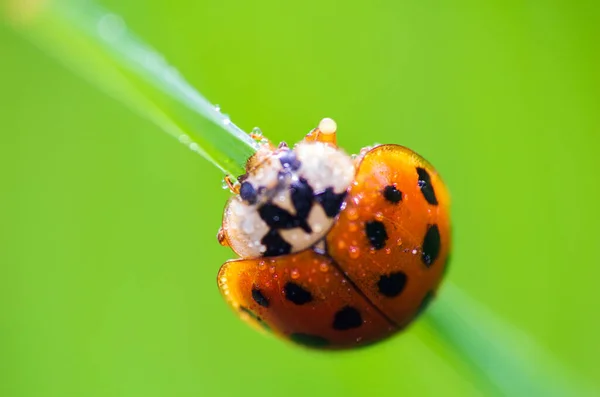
column 352, row 214
column 257, row 132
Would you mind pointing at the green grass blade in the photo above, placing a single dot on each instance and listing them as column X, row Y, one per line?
column 508, row 359
column 97, row 44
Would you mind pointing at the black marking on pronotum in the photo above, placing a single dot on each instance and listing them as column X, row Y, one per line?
column 278, row 218
column 296, row 294
column 248, row 193
column 275, row 244
column 258, row 297
column 330, row 201
column 301, row 194
column 288, row 160
column 391, row 194
column 392, row 285
column 309, row 340
column 376, row 234
column 426, row 186
column 347, row 318
column 431, row 245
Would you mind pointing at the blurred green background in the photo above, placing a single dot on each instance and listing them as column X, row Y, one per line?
column 108, row 255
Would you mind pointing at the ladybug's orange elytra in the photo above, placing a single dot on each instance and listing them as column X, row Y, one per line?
column 335, row 252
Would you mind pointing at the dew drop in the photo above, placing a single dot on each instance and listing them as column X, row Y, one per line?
column 257, row 132
column 272, row 269
column 352, row 214
column 352, row 227
column 354, row 252
column 295, row 274
column 262, row 265
column 414, row 252
column 388, row 250
column 324, row 267
column 218, row 108
column 341, row 244
column 379, row 216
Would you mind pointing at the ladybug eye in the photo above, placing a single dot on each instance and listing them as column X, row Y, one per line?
column 248, row 193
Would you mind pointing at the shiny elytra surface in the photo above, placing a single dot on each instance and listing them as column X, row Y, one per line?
column 406, row 222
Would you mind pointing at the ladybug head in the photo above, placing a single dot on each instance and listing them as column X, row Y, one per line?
column 288, row 199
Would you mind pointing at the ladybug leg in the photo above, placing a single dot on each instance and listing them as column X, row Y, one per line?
column 325, row 133
column 222, row 238
column 232, row 184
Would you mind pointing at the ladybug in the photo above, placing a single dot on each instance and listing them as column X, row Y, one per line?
column 335, row 251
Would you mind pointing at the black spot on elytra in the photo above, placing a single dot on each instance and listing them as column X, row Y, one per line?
column 296, row 294
column 248, row 193
column 391, row 194
column 347, row 318
column 275, row 244
column 426, row 186
column 376, row 234
column 330, row 201
column 259, row 298
column 288, row 160
column 431, row 245
column 278, row 218
column 302, row 197
column 392, row 285
column 309, row 340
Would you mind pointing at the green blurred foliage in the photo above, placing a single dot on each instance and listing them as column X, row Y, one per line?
column 108, row 254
